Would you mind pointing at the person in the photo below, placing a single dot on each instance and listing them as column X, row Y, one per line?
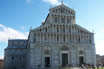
column 102, row 66
column 82, row 66
column 97, row 66
column 93, row 67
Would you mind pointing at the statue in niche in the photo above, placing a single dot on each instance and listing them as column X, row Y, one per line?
column 64, row 48
column 80, row 52
column 47, row 52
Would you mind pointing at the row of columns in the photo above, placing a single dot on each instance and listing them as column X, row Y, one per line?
column 63, row 19
column 63, row 10
column 61, row 38
column 62, row 28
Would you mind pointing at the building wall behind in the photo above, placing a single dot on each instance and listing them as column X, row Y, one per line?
column 1, row 63
column 15, row 54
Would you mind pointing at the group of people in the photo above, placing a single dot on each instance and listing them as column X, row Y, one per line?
column 87, row 66
column 99, row 66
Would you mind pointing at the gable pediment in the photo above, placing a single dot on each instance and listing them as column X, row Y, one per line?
column 62, row 9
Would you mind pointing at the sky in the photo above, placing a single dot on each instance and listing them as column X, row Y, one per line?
column 17, row 16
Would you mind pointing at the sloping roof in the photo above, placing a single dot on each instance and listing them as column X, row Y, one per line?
column 17, row 43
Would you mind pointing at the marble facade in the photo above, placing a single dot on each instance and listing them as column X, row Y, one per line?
column 59, row 41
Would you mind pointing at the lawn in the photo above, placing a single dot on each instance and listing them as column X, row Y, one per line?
column 79, row 68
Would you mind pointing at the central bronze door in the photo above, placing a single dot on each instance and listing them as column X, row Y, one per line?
column 64, row 59
column 47, row 61
column 81, row 60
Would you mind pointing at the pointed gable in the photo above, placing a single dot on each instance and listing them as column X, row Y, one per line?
column 63, row 9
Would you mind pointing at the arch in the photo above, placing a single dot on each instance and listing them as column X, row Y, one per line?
column 66, row 10
column 58, row 9
column 68, row 19
column 63, row 28
column 69, row 11
column 53, row 10
column 61, row 10
column 55, row 18
column 57, row 38
column 64, row 39
column 62, row 19
column 57, row 28
column 46, row 29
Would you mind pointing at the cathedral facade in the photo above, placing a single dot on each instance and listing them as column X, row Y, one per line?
column 58, row 42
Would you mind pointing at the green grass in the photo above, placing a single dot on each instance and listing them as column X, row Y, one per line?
column 100, row 68
column 80, row 68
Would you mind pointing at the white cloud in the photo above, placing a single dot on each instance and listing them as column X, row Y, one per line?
column 52, row 2
column 99, row 41
column 1, row 57
column 10, row 33
column 100, row 47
